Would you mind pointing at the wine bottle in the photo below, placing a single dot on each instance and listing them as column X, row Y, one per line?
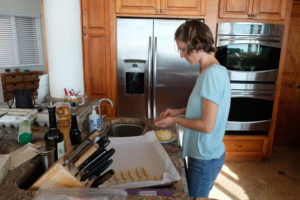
column 54, row 138
column 75, row 134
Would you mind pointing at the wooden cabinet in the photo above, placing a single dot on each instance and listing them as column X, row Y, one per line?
column 239, row 147
column 253, row 9
column 18, row 81
column 287, row 130
column 161, row 7
column 99, row 76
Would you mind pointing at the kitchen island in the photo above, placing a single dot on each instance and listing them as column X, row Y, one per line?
column 15, row 185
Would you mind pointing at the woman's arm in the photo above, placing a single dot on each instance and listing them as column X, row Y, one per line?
column 206, row 124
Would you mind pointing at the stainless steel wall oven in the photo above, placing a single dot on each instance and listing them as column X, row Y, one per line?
column 251, row 53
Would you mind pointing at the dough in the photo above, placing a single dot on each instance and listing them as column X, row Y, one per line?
column 164, row 134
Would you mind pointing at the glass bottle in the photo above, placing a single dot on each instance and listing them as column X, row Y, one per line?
column 75, row 134
column 54, row 138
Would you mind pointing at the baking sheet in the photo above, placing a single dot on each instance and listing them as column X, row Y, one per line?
column 138, row 152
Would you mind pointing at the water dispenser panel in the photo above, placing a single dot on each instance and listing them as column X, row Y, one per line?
column 134, row 83
column 134, row 78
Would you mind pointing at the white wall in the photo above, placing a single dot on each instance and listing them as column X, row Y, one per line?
column 22, row 8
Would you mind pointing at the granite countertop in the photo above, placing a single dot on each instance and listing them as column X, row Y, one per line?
column 11, row 187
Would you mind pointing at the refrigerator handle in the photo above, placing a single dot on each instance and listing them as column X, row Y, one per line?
column 154, row 76
column 149, row 78
column 134, row 61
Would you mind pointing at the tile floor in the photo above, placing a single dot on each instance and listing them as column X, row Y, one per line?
column 277, row 177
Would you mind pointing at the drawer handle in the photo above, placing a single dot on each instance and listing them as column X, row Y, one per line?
column 238, row 146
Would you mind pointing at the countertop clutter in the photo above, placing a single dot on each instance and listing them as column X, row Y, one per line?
column 15, row 185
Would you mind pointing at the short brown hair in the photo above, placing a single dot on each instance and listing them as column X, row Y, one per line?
column 196, row 35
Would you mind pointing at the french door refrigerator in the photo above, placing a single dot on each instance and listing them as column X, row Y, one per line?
column 151, row 74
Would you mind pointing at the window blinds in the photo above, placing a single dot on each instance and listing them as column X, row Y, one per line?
column 20, row 41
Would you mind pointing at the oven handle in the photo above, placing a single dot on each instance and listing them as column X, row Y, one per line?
column 261, row 125
column 274, row 70
column 269, row 75
column 254, row 95
column 261, row 41
column 251, row 39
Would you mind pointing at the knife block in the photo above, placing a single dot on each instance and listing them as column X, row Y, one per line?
column 59, row 175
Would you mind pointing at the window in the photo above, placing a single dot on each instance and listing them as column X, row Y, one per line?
column 20, row 41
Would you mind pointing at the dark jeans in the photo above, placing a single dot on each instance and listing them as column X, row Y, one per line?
column 201, row 175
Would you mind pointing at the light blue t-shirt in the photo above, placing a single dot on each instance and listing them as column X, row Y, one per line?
column 214, row 85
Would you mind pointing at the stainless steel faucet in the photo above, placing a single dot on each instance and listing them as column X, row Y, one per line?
column 99, row 107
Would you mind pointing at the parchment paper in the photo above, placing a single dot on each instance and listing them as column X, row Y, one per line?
column 138, row 152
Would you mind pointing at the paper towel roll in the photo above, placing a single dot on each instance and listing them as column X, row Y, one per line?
column 64, row 46
column 43, row 89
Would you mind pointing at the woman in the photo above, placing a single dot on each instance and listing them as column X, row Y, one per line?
column 207, row 109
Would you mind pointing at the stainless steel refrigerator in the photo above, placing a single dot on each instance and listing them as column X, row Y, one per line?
column 151, row 74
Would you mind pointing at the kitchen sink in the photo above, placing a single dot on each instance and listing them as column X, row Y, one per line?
column 125, row 130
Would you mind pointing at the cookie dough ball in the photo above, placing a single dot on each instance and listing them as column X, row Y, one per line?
column 164, row 134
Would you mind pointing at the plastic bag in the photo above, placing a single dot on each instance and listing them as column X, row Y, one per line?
column 55, row 193
column 23, row 98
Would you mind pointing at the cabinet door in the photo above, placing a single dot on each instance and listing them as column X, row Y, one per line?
column 287, row 130
column 96, row 49
column 269, row 9
column 240, row 9
column 138, row 6
column 183, row 7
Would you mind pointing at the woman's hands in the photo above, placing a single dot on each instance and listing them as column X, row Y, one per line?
column 164, row 122
column 171, row 113
column 167, row 117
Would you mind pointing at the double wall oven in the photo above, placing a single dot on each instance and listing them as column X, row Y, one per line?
column 250, row 52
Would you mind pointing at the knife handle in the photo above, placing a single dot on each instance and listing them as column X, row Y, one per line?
column 86, row 155
column 101, row 159
column 94, row 156
column 102, row 140
column 85, row 165
column 77, row 151
column 96, row 171
column 101, row 170
column 101, row 179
